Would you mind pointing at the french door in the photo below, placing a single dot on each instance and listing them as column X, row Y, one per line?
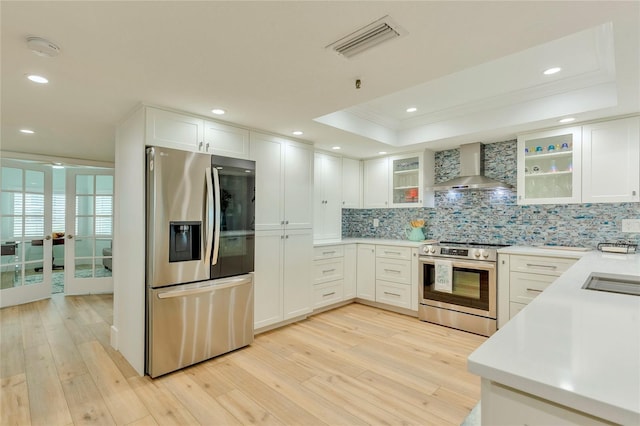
column 25, row 232
column 89, row 231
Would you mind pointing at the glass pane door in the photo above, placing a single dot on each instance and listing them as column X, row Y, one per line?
column 89, row 220
column 25, row 232
column 405, row 180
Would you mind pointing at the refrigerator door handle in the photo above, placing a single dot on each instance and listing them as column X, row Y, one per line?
column 209, row 202
column 219, row 285
column 216, row 219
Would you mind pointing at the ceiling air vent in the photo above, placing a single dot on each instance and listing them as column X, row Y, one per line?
column 366, row 37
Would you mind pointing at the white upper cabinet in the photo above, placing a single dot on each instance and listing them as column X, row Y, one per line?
column 351, row 183
column 229, row 141
column 327, row 203
column 549, row 167
column 298, row 185
column 268, row 153
column 595, row 163
column 409, row 176
column 284, row 182
column 189, row 133
column 172, row 130
column 376, row 183
column 611, row 161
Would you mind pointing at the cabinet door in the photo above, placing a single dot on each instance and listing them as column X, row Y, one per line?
column 549, row 167
column 172, row 130
column 415, row 264
column 268, row 153
column 297, row 285
column 298, row 186
column 268, row 276
column 611, row 161
column 221, row 139
column 406, row 180
column 366, row 275
column 350, row 271
column 351, row 183
column 327, row 212
column 376, row 183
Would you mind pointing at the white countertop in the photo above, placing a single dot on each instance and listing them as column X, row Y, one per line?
column 402, row 243
column 556, row 251
column 579, row 348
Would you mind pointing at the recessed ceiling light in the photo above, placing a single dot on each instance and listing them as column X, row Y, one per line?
column 552, row 70
column 218, row 111
column 567, row 120
column 297, row 133
column 382, row 152
column 336, row 147
column 37, row 78
column 27, row 131
column 412, row 109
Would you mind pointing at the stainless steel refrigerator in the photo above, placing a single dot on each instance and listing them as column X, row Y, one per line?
column 200, row 256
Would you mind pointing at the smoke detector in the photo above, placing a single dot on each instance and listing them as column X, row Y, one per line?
column 370, row 35
column 43, row 47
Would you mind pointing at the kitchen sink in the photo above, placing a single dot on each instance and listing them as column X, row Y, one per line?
column 613, row 283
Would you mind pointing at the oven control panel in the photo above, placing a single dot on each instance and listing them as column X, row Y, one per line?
column 458, row 253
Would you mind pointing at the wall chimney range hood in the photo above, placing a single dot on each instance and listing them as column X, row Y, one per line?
column 471, row 172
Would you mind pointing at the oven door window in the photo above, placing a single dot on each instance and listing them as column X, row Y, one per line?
column 470, row 287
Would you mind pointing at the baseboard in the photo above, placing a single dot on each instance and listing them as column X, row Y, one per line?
column 114, row 337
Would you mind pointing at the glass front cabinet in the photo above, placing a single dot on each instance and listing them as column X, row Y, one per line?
column 549, row 167
column 410, row 175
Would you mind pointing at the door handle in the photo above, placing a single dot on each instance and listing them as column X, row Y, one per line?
column 69, row 236
column 216, row 285
column 216, row 218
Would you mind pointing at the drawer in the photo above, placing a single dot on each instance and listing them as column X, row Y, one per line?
column 328, row 252
column 525, row 287
column 397, row 271
column 327, row 293
column 514, row 308
column 540, row 264
column 391, row 252
column 393, row 294
column 328, row 270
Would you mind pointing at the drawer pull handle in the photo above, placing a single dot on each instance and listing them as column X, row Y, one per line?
column 392, row 252
column 328, row 252
column 329, row 294
column 392, row 294
column 326, row 271
column 535, row 265
column 535, row 290
column 392, row 270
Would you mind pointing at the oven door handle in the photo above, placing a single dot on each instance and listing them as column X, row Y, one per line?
column 480, row 265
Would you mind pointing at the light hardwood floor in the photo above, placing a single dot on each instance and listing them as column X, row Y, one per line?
column 354, row 365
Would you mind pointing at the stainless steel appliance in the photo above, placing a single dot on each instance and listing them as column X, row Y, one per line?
column 471, row 303
column 200, row 257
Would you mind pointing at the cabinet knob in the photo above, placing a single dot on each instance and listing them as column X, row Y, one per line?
column 200, row 146
column 286, row 222
column 207, row 147
column 286, row 236
column 69, row 236
column 282, row 222
column 343, row 203
column 633, row 192
column 48, row 237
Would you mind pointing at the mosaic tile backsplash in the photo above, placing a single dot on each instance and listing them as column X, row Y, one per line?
column 494, row 216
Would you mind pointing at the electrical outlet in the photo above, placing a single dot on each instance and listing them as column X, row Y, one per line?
column 376, row 223
column 631, row 225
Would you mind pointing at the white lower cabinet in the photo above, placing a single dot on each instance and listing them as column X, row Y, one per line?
column 328, row 275
column 393, row 276
column 523, row 277
column 366, row 272
column 283, row 288
column 350, row 271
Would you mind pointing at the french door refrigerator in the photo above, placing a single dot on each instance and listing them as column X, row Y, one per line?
column 200, row 257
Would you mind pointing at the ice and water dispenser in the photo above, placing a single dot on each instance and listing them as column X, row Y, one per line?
column 184, row 241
